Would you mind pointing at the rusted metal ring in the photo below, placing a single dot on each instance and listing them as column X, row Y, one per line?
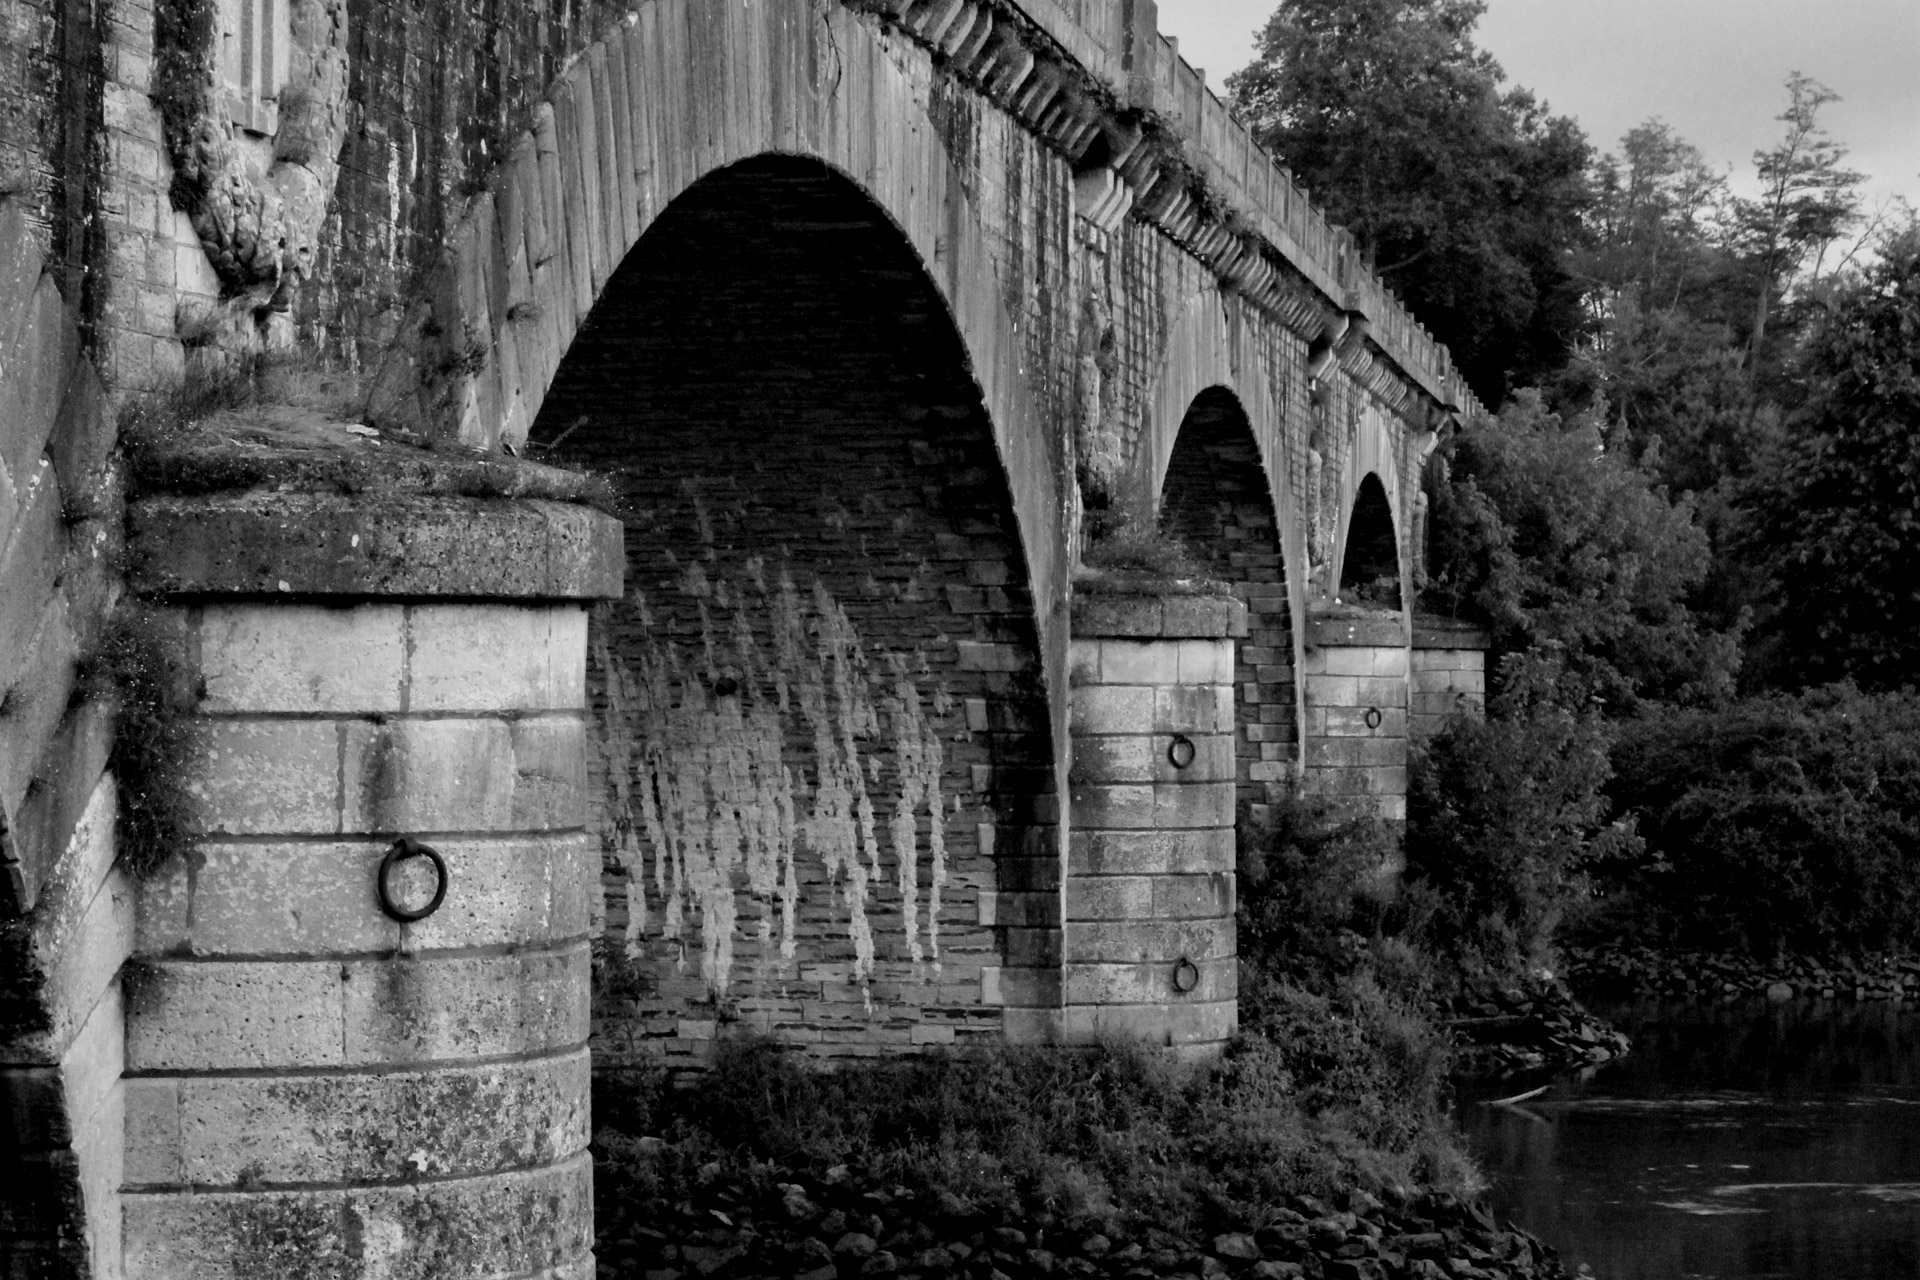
column 1180, row 751
column 1373, row 717
column 403, row 849
column 1186, row 975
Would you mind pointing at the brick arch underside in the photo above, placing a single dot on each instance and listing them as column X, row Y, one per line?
column 1216, row 500
column 826, row 751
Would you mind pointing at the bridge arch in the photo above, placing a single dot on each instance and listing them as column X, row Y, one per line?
column 1211, row 352
column 822, row 714
column 1372, row 469
column 1215, row 499
column 1370, row 558
column 748, row 114
column 680, row 90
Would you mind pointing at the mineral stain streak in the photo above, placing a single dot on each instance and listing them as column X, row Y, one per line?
column 768, row 738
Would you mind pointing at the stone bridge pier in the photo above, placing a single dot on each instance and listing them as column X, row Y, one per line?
column 317, row 1083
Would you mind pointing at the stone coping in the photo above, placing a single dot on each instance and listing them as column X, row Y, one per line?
column 286, row 448
column 1174, row 617
column 1352, row 627
column 1431, row 631
column 390, row 544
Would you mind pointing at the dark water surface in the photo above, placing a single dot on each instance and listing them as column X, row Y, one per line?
column 1736, row 1142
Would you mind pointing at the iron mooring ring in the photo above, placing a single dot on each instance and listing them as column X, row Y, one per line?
column 1180, row 751
column 1186, row 975
column 403, row 849
column 1373, row 717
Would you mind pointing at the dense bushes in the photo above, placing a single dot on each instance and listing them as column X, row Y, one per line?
column 1554, row 537
column 1506, row 821
column 1114, row 1132
column 1776, row 824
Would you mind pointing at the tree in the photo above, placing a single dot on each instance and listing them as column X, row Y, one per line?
column 1807, row 200
column 1839, row 523
column 1466, row 196
column 1566, row 547
column 1653, row 217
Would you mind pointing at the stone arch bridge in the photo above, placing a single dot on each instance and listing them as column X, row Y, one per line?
column 883, row 323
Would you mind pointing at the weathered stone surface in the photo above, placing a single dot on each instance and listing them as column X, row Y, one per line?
column 298, row 657
column 495, row 658
column 399, row 1126
column 410, row 546
column 505, row 1224
column 503, row 891
column 254, row 1015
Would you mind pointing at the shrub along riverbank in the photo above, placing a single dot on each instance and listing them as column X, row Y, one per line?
column 1316, row 1148
column 1775, row 826
column 1320, row 1145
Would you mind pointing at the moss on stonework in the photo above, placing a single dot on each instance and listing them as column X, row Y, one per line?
column 1125, row 555
column 183, row 86
column 290, row 425
column 140, row 668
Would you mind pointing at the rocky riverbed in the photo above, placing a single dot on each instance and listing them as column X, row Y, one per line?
column 1619, row 972
column 837, row 1227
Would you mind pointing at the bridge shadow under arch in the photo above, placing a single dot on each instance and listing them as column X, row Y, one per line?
column 1370, row 564
column 826, row 743
column 1215, row 498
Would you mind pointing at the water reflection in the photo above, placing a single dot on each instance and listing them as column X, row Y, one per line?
column 1736, row 1142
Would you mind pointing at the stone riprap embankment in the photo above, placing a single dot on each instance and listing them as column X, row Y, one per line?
column 841, row 1226
column 1536, row 1028
column 1615, row 972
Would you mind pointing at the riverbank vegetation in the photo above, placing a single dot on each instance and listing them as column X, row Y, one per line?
column 1319, row 1144
column 1690, row 526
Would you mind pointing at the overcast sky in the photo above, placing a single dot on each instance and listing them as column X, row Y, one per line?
column 1710, row 68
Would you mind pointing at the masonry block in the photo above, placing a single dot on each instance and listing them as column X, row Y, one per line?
column 1143, row 983
column 1193, row 897
column 266, row 776
column 1118, row 806
column 1205, row 662
column 505, row 891
column 492, row 657
column 199, row 1016
column 525, row 1222
column 303, row 658
column 256, row 1131
column 1192, row 709
column 1363, row 662
column 1149, row 941
column 1110, row 898
column 1192, row 804
column 1130, row 758
column 1119, row 853
column 1212, row 761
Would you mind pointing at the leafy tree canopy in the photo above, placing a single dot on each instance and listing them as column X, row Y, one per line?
column 1565, row 546
column 1465, row 194
column 1839, row 525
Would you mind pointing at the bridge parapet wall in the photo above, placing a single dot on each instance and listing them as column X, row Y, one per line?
column 1118, row 43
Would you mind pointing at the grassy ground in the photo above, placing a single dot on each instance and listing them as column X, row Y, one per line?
column 1321, row 1094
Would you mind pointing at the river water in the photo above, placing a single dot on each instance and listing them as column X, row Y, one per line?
column 1735, row 1142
